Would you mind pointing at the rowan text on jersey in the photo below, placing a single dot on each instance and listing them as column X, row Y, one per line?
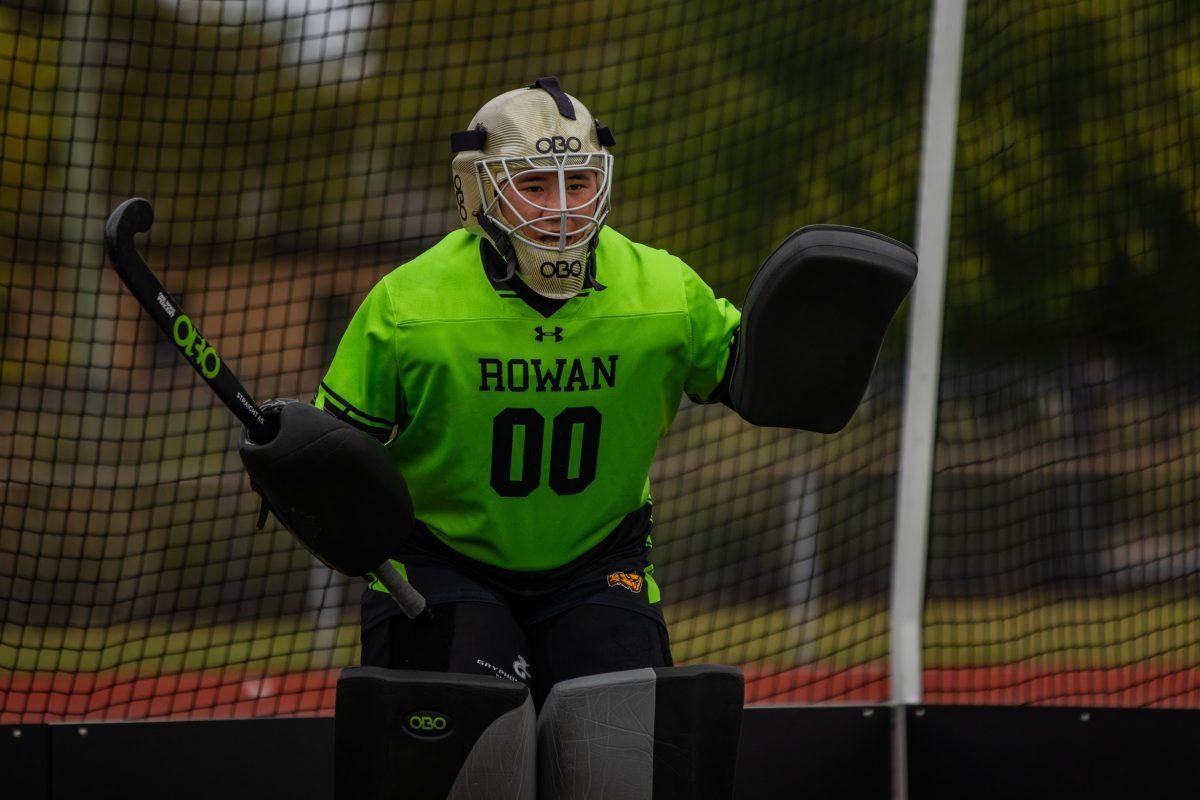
column 523, row 375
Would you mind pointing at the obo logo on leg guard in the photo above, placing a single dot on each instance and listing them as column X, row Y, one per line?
column 428, row 724
column 463, row 735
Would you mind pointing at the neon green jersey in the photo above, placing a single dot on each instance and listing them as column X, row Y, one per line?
column 525, row 439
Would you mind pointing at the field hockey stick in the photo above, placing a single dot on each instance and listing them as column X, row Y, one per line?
column 136, row 216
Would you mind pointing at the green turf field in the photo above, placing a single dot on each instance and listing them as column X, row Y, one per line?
column 1113, row 631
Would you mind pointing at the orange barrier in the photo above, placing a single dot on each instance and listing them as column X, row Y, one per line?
column 34, row 697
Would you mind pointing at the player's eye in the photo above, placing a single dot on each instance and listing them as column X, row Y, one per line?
column 579, row 183
column 533, row 185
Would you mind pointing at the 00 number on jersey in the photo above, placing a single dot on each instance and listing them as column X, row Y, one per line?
column 533, row 433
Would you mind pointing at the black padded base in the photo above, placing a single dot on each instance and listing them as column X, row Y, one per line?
column 403, row 733
column 813, row 324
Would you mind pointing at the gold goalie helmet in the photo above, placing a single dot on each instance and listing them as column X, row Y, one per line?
column 533, row 175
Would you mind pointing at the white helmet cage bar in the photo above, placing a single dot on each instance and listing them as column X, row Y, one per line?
column 575, row 225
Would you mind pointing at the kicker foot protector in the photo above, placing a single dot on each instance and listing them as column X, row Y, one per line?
column 425, row 735
column 646, row 734
column 813, row 323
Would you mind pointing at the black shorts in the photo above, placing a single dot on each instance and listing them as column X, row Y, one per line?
column 485, row 639
column 600, row 613
column 616, row 572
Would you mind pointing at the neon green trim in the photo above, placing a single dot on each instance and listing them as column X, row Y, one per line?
column 377, row 585
column 652, row 592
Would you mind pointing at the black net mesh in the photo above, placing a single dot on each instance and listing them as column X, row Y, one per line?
column 1064, row 562
column 294, row 153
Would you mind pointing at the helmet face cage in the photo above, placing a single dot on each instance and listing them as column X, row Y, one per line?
column 494, row 174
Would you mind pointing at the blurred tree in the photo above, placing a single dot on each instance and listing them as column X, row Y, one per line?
column 274, row 126
column 1077, row 217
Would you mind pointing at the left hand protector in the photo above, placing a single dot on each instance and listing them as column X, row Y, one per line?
column 813, row 324
column 331, row 485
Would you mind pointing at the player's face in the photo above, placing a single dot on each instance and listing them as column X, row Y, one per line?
column 531, row 195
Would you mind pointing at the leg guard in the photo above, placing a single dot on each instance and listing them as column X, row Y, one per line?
column 643, row 734
column 402, row 733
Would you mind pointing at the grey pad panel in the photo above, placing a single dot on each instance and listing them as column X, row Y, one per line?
column 503, row 763
column 596, row 738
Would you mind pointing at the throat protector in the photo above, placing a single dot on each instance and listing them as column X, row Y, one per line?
column 333, row 486
column 813, row 324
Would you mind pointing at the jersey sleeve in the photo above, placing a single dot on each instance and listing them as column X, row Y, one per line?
column 362, row 384
column 714, row 321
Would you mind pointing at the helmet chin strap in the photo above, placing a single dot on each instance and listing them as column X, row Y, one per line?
column 503, row 246
column 589, row 279
column 513, row 262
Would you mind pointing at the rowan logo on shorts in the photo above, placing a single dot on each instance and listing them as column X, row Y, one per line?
column 628, row 580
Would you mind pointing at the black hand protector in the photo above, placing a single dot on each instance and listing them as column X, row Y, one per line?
column 813, row 324
column 333, row 486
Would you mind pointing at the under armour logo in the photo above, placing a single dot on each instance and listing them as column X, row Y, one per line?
column 541, row 334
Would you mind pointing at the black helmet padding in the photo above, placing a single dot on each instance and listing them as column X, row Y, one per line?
column 813, row 324
column 333, row 486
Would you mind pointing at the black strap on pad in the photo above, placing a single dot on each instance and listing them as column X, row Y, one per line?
column 333, row 486
column 550, row 84
column 813, row 324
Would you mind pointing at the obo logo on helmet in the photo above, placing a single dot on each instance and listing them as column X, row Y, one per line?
column 558, row 144
column 460, row 198
column 561, row 269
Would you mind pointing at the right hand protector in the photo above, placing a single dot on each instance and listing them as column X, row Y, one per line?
column 813, row 324
column 333, row 486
